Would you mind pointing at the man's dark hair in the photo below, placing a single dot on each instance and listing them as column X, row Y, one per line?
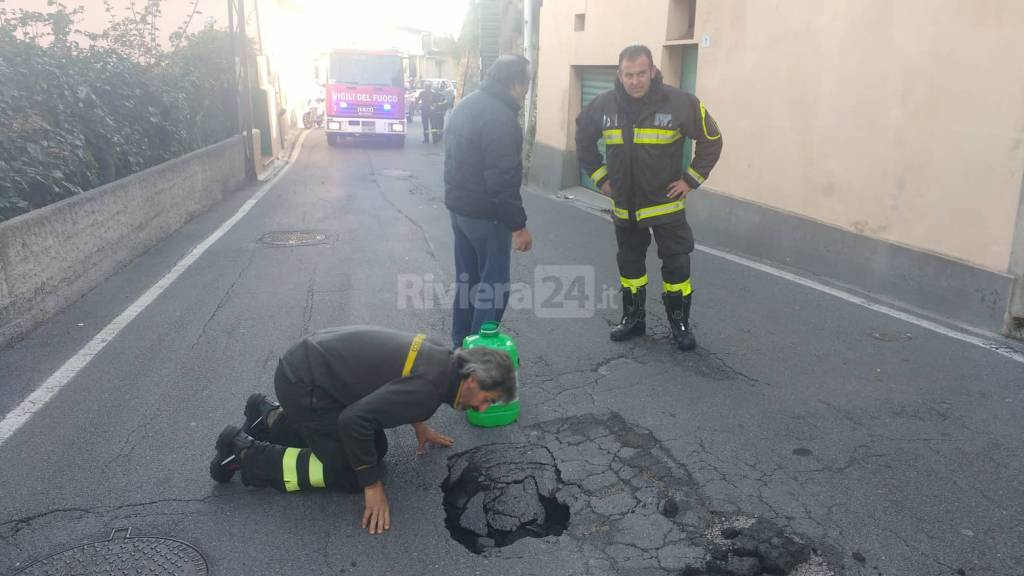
column 509, row 70
column 634, row 52
column 493, row 370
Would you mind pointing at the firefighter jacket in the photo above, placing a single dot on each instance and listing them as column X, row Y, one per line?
column 644, row 149
column 383, row 379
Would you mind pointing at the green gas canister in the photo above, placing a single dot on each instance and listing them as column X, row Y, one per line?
column 502, row 413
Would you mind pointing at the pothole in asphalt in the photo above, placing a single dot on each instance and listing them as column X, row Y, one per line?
column 497, row 494
column 293, row 238
column 635, row 508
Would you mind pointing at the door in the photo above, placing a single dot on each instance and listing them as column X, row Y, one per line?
column 594, row 80
column 689, row 83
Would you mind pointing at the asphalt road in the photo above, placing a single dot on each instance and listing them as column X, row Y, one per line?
column 856, row 431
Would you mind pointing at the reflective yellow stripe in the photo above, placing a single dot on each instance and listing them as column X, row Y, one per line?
column 696, row 176
column 704, row 123
column 660, row 209
column 414, row 349
column 289, row 469
column 599, row 173
column 655, row 136
column 633, row 284
column 316, row 472
column 613, row 136
column 651, row 211
column 685, row 287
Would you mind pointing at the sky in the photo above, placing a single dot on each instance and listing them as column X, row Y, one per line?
column 442, row 16
column 349, row 16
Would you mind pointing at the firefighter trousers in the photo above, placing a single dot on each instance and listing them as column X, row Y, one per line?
column 675, row 242
column 304, row 449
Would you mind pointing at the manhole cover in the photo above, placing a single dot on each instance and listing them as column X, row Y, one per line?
column 123, row 554
column 293, row 238
column 497, row 494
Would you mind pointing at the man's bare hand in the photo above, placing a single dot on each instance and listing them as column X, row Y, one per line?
column 522, row 240
column 606, row 188
column 427, row 435
column 376, row 514
column 678, row 189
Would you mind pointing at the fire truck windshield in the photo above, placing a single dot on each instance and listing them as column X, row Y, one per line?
column 366, row 69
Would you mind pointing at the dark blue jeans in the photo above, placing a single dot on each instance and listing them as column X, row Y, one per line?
column 482, row 257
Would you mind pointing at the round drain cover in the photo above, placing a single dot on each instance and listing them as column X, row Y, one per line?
column 293, row 238
column 123, row 555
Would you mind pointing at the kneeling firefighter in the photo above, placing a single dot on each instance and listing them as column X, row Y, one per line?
column 339, row 389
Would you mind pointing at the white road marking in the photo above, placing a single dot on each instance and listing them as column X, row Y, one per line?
column 21, row 414
column 1003, row 349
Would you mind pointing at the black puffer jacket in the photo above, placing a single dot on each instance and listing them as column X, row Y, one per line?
column 483, row 158
column 644, row 147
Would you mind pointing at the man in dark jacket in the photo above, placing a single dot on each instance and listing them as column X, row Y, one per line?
column 644, row 124
column 339, row 389
column 483, row 170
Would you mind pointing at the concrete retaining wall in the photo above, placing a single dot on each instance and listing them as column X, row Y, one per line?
column 52, row 256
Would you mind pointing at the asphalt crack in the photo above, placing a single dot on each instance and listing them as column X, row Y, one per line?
column 423, row 231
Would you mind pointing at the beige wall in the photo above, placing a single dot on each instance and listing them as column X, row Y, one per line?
column 899, row 119
column 561, row 48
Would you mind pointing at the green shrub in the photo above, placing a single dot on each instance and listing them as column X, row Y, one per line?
column 75, row 117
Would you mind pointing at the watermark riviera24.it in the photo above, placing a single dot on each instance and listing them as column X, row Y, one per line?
column 557, row 291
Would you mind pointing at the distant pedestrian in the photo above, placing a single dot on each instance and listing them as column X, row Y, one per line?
column 483, row 171
column 644, row 124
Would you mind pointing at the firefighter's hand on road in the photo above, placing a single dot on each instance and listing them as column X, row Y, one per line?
column 606, row 188
column 376, row 514
column 522, row 240
column 427, row 435
column 678, row 189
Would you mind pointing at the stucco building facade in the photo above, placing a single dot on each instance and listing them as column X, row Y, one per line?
column 879, row 143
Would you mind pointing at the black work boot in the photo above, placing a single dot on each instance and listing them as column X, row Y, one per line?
column 231, row 442
column 634, row 316
column 677, row 307
column 257, row 408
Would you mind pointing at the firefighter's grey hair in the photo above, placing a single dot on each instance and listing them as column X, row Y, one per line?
column 509, row 70
column 493, row 370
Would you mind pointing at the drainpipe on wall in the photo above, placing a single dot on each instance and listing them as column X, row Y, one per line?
column 529, row 49
column 1015, row 314
column 531, row 25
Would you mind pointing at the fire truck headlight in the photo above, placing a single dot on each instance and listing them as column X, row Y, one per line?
column 333, row 126
column 399, row 127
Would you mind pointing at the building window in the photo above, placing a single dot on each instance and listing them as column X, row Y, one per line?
column 580, row 22
column 681, row 19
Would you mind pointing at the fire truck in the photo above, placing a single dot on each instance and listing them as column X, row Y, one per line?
column 365, row 96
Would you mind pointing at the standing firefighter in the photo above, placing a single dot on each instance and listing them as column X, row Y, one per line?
column 429, row 101
column 339, row 389
column 644, row 124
